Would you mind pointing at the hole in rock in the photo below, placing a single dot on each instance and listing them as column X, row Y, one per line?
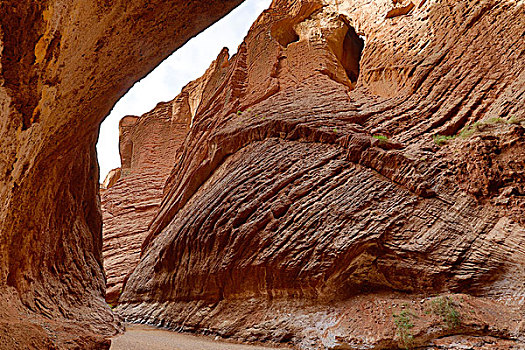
column 284, row 34
column 353, row 46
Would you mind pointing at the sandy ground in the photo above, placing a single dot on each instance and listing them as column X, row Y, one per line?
column 139, row 337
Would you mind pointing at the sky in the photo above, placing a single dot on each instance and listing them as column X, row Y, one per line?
column 167, row 80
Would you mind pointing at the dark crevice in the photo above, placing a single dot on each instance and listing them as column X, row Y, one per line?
column 352, row 49
column 347, row 46
column 285, row 35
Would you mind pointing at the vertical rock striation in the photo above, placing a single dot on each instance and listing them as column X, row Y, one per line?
column 63, row 64
column 148, row 147
column 353, row 178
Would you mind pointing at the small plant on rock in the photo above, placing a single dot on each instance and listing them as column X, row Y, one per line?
column 441, row 140
column 404, row 325
column 471, row 129
column 496, row 120
column 445, row 307
column 380, row 137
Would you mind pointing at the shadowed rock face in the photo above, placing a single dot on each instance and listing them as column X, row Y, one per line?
column 63, row 64
column 312, row 203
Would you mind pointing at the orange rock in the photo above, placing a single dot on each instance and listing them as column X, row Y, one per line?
column 311, row 202
column 148, row 148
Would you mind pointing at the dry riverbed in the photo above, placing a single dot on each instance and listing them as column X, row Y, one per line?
column 140, row 337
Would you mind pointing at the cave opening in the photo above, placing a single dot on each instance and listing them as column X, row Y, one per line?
column 284, row 34
column 353, row 45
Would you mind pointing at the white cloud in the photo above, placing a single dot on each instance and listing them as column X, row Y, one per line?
column 166, row 81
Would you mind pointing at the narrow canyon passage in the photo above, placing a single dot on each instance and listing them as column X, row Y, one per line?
column 148, row 145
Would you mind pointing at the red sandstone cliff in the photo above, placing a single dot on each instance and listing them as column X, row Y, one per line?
column 340, row 193
column 148, row 148
column 288, row 221
column 63, row 65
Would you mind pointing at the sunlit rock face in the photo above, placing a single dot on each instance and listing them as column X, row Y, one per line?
column 148, row 148
column 63, row 64
column 353, row 178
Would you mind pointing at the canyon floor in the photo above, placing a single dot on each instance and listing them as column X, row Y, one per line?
column 139, row 337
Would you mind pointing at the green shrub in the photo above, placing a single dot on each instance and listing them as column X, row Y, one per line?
column 441, row 140
column 495, row 120
column 469, row 130
column 404, row 325
column 446, row 308
column 380, row 137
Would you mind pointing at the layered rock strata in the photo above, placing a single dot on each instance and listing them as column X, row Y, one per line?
column 353, row 178
column 148, row 148
column 63, row 65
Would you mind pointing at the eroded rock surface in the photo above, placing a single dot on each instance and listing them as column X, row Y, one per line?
column 148, row 147
column 63, row 64
column 335, row 191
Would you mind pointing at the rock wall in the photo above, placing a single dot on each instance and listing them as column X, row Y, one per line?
column 63, row 64
column 148, row 147
column 353, row 178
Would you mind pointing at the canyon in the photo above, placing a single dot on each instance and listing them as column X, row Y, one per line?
column 131, row 195
column 352, row 178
